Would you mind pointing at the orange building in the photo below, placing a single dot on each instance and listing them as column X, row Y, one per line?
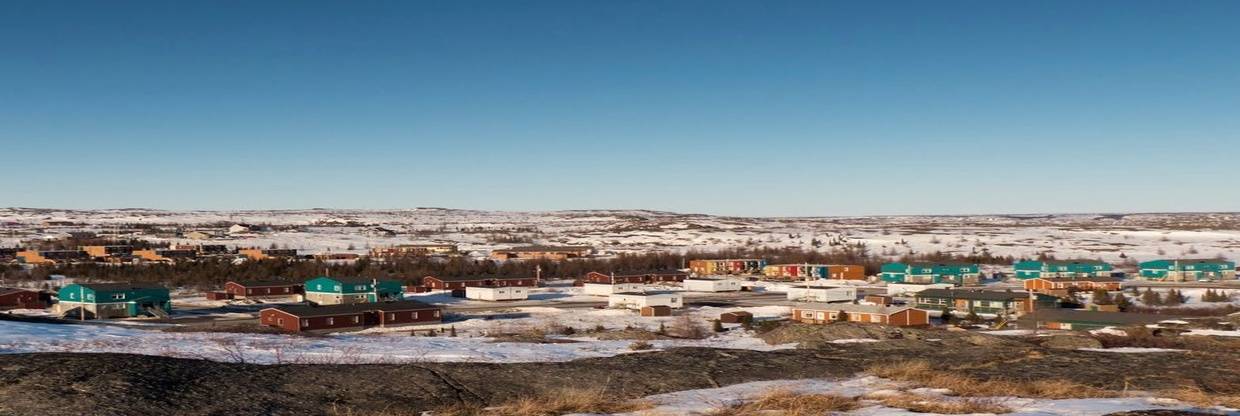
column 1061, row 286
column 875, row 314
column 541, row 252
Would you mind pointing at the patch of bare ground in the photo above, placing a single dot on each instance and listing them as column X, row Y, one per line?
column 558, row 402
column 945, row 405
column 922, row 373
column 789, row 403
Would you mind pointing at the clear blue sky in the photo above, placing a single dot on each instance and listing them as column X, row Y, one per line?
column 724, row 107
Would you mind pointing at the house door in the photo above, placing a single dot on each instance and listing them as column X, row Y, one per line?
column 370, row 318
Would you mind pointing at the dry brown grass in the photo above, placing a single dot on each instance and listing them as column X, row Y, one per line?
column 1194, row 395
column 948, row 406
column 922, row 373
column 558, row 402
column 789, row 403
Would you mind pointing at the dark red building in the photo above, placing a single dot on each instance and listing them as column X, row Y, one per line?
column 461, row 282
column 258, row 288
column 300, row 318
column 14, row 298
column 646, row 277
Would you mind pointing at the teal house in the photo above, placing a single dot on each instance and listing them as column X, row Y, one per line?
column 326, row 290
column 958, row 273
column 1183, row 270
column 1033, row 269
column 113, row 300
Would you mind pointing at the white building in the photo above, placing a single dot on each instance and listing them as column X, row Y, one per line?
column 712, row 285
column 641, row 300
column 907, row 289
column 495, row 293
column 606, row 289
column 822, row 294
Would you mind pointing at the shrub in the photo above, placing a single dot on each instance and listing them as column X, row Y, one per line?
column 942, row 405
column 788, row 403
column 640, row 346
column 922, row 373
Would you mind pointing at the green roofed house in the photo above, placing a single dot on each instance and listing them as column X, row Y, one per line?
column 1033, row 269
column 325, row 290
column 957, row 273
column 1183, row 270
column 113, row 300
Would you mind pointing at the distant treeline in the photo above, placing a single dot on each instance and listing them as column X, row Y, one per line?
column 207, row 273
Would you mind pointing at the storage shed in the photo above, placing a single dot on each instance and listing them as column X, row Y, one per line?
column 497, row 293
column 656, row 311
column 738, row 317
column 641, row 300
column 605, row 289
column 822, row 294
column 712, row 285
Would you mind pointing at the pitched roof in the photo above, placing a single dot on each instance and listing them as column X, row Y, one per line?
column 939, row 263
column 477, row 278
column 1067, row 262
column 656, row 272
column 357, row 280
column 852, row 307
column 1095, row 279
column 120, row 286
column 11, row 290
column 972, row 294
column 355, row 308
column 265, row 283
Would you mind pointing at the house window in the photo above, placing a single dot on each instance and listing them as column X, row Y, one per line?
column 359, row 287
column 331, row 321
column 118, row 296
column 355, row 320
column 279, row 321
column 337, row 287
column 413, row 315
column 305, row 323
column 436, row 314
column 286, row 290
column 391, row 317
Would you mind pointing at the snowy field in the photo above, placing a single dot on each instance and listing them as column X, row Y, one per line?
column 1135, row 237
column 476, row 339
column 704, row 401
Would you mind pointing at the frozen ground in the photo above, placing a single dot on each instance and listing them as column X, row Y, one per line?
column 475, row 341
column 1136, row 236
column 697, row 402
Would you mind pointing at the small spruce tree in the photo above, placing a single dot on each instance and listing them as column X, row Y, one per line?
column 1121, row 301
column 1101, row 297
column 1151, row 298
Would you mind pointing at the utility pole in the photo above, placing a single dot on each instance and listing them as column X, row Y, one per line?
column 82, row 301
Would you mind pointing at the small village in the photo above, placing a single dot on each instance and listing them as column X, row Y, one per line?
column 1051, row 294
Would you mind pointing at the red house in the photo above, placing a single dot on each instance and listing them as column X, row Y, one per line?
column 1061, row 286
column 461, row 282
column 258, row 289
column 647, row 277
column 14, row 298
column 306, row 318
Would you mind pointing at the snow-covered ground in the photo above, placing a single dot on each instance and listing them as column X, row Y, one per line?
column 475, row 340
column 696, row 402
column 1110, row 237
